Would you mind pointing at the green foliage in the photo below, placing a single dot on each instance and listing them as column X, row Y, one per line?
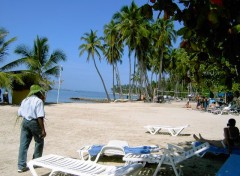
column 210, row 36
column 92, row 45
column 6, row 78
column 40, row 64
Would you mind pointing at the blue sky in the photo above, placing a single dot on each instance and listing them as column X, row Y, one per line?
column 63, row 22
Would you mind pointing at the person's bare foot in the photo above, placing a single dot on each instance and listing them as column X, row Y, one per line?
column 200, row 136
column 195, row 137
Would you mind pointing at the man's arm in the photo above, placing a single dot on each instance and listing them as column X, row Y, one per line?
column 41, row 123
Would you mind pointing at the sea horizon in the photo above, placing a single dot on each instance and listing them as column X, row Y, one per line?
column 67, row 95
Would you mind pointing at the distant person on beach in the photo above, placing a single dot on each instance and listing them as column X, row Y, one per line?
column 5, row 97
column 198, row 99
column 231, row 137
column 187, row 105
column 32, row 112
column 205, row 103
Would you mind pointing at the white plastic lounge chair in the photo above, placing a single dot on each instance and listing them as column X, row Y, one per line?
column 223, row 110
column 67, row 165
column 174, row 131
column 114, row 147
column 172, row 156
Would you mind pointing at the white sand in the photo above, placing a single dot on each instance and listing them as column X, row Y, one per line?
column 71, row 126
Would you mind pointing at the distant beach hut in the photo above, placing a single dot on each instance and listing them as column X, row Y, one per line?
column 19, row 92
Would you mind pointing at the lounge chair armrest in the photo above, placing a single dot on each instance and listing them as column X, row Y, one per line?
column 172, row 147
column 83, row 153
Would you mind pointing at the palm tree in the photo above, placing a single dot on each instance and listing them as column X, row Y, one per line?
column 179, row 67
column 92, row 46
column 133, row 30
column 163, row 35
column 6, row 78
column 40, row 64
column 113, row 50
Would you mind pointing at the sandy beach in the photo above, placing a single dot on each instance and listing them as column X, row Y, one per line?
column 70, row 126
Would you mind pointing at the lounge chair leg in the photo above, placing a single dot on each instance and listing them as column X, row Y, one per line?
column 159, row 166
column 173, row 166
column 30, row 166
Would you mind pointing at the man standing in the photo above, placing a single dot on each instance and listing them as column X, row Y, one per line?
column 32, row 111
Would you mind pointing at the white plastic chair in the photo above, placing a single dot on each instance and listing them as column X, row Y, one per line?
column 67, row 165
column 173, row 130
column 114, row 147
column 172, row 156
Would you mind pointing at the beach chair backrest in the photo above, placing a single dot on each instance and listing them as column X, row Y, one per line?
column 179, row 155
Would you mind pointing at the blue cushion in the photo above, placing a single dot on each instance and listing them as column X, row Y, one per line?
column 138, row 150
column 95, row 149
column 230, row 167
column 218, row 150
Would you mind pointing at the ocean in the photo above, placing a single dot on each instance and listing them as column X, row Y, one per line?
column 66, row 95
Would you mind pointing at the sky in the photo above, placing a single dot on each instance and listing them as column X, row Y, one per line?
column 64, row 22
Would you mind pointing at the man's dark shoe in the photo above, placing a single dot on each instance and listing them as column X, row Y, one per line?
column 23, row 170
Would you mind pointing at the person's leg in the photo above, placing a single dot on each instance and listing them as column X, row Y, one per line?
column 39, row 142
column 217, row 143
column 25, row 140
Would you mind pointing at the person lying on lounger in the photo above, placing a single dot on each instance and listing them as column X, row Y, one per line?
column 231, row 137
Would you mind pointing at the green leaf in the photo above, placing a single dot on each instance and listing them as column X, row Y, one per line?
column 212, row 17
column 236, row 28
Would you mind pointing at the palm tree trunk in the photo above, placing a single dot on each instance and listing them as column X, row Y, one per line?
column 130, row 72
column 114, row 96
column 109, row 99
column 118, row 81
column 134, row 72
column 160, row 70
column 176, row 94
column 148, row 87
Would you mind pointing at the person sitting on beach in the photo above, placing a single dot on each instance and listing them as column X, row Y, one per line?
column 187, row 105
column 231, row 137
column 212, row 107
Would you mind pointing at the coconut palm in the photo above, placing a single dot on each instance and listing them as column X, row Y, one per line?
column 133, row 28
column 163, row 35
column 113, row 50
column 6, row 78
column 92, row 46
column 39, row 63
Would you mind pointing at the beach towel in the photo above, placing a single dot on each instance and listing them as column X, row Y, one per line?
column 95, row 149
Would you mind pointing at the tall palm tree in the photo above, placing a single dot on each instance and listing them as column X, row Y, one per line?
column 39, row 63
column 92, row 46
column 6, row 78
column 163, row 35
column 179, row 67
column 113, row 50
column 132, row 26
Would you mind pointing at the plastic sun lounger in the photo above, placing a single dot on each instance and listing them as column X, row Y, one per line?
column 172, row 156
column 230, row 167
column 67, row 165
column 174, row 131
column 114, row 147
